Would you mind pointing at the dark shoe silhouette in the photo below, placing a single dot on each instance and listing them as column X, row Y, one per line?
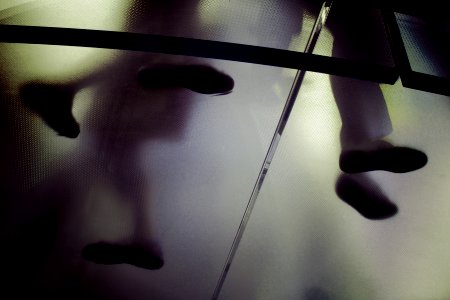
column 53, row 103
column 112, row 254
column 364, row 196
column 198, row 78
column 392, row 159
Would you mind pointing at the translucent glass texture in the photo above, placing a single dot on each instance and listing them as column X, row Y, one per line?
column 145, row 202
column 304, row 242
column 426, row 44
column 359, row 35
column 266, row 23
column 163, row 168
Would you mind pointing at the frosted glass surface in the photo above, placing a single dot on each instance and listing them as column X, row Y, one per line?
column 167, row 168
column 426, row 44
column 267, row 23
column 303, row 242
column 170, row 170
column 357, row 35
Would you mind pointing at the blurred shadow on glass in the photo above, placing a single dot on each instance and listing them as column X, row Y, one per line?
column 316, row 293
column 141, row 120
column 124, row 118
column 53, row 103
column 365, row 196
column 365, row 117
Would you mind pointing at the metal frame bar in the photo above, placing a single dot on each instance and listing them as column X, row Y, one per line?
column 200, row 48
column 409, row 77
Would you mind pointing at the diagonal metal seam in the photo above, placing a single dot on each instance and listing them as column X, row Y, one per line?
column 295, row 88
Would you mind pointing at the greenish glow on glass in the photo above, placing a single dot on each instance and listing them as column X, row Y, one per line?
column 6, row 4
column 98, row 14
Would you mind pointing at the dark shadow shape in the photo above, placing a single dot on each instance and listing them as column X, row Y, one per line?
column 316, row 293
column 112, row 254
column 392, row 159
column 361, row 104
column 53, row 103
column 365, row 197
column 198, row 78
column 199, row 48
column 24, row 251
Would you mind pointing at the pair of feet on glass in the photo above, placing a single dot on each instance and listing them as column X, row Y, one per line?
column 202, row 79
column 53, row 102
column 365, row 196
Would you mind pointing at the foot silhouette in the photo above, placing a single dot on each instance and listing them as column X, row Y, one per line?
column 392, row 159
column 198, row 78
column 365, row 197
column 53, row 103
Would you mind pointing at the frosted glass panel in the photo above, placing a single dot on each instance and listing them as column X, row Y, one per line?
column 267, row 23
column 426, row 44
column 355, row 34
column 304, row 242
column 162, row 168
column 126, row 174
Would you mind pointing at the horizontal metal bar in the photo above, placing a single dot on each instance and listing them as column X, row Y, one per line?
column 199, row 48
column 426, row 82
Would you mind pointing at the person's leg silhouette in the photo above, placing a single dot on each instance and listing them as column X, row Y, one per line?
column 365, row 117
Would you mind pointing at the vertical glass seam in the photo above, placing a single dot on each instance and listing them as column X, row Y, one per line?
column 313, row 37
